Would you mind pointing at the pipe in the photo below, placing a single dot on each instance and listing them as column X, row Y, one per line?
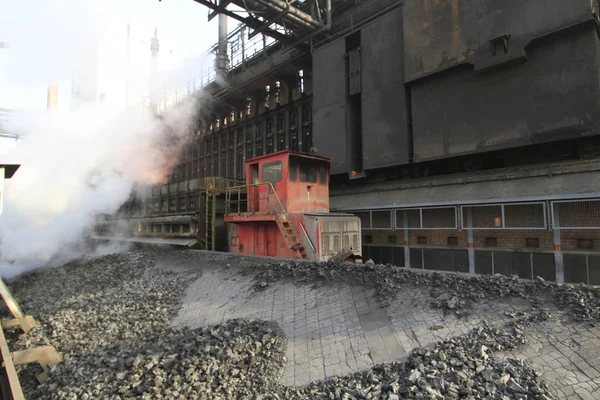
column 154, row 47
column 52, row 97
column 222, row 60
column 297, row 16
column 328, row 10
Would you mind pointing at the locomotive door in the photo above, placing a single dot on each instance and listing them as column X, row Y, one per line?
column 271, row 232
column 260, row 236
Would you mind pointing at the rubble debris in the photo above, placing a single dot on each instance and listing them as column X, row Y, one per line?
column 451, row 292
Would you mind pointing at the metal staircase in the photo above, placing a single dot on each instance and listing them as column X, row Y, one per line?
column 286, row 227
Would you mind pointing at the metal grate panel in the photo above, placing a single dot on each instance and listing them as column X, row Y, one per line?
column 505, row 216
column 576, row 214
column 430, row 218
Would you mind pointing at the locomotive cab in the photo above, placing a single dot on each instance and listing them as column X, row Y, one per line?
column 285, row 211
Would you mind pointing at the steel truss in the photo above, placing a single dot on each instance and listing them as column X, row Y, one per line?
column 283, row 20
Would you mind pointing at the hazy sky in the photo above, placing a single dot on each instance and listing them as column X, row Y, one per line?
column 46, row 38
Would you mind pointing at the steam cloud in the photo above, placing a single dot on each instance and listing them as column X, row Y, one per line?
column 74, row 165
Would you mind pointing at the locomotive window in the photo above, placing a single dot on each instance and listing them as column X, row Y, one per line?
column 271, row 172
column 293, row 170
column 322, row 176
column 308, row 173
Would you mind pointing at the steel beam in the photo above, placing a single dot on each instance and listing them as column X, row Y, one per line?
column 248, row 21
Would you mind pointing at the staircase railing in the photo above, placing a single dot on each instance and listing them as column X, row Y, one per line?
column 266, row 202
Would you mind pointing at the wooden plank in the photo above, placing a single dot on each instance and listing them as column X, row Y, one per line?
column 10, row 301
column 11, row 373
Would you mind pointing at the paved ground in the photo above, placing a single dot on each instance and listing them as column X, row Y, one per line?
column 343, row 330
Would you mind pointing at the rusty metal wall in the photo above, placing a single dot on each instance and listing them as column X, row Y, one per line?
column 329, row 98
column 551, row 96
column 445, row 33
column 384, row 123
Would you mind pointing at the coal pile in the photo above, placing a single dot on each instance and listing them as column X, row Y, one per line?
column 451, row 292
column 462, row 367
column 110, row 320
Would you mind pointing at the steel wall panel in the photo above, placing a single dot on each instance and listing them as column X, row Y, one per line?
column 554, row 95
column 385, row 133
column 329, row 99
column 384, row 123
column 446, row 33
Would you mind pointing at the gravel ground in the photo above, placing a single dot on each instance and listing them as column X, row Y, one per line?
column 110, row 320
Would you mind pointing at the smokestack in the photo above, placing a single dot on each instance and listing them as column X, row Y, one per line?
column 154, row 47
column 222, row 61
column 52, row 97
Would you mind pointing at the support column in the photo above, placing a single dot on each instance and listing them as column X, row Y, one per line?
column 470, row 244
column 558, row 254
column 406, row 243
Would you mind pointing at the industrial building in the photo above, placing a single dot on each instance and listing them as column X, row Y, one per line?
column 464, row 134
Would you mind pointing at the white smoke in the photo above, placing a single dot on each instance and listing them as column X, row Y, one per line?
column 75, row 164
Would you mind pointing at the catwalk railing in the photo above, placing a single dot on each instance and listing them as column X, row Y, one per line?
column 242, row 49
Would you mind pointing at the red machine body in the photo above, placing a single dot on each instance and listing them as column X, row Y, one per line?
column 283, row 211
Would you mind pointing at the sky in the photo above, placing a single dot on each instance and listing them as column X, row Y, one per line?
column 45, row 39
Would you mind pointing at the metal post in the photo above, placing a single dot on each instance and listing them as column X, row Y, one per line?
column 406, row 243
column 470, row 241
column 558, row 254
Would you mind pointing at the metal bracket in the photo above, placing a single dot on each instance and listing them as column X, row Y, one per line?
column 357, row 174
column 503, row 40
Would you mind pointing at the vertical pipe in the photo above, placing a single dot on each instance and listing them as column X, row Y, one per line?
column 127, row 72
column 328, row 11
column 406, row 243
column 2, row 170
column 243, row 34
column 222, row 60
column 470, row 241
column 154, row 47
column 52, row 97
column 558, row 254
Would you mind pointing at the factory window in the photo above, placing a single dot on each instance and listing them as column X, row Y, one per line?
column 293, row 170
column 369, row 239
column 308, row 173
column 421, row 240
column 532, row 242
column 322, row 176
column 392, row 239
column 585, row 244
column 452, row 241
column 271, row 172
